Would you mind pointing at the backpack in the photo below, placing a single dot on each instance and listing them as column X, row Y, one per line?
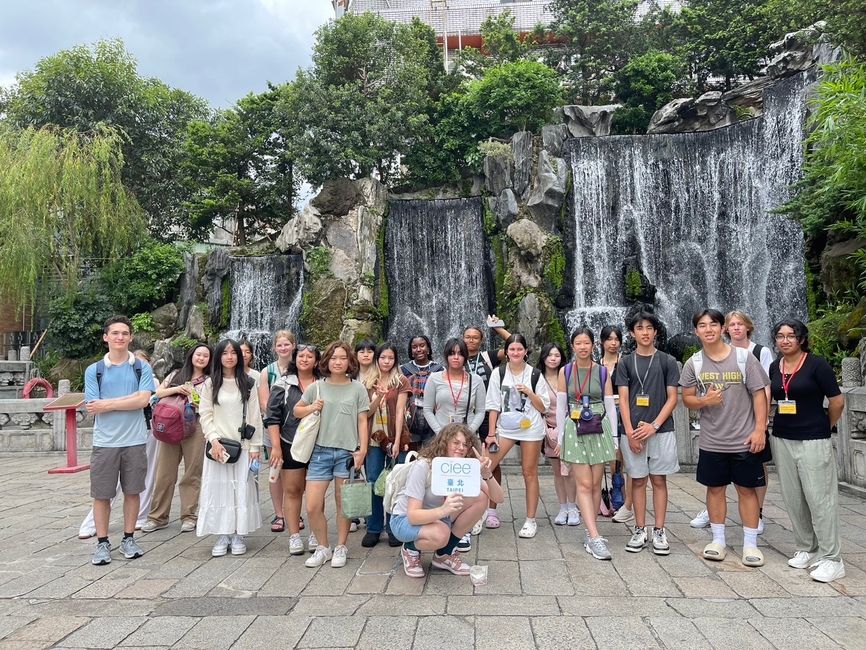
column 536, row 376
column 757, row 351
column 397, row 481
column 147, row 411
column 168, row 422
column 602, row 377
column 698, row 363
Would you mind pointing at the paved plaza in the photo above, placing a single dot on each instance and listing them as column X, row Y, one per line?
column 545, row 592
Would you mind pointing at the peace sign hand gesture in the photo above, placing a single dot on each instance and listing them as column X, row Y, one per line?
column 486, row 462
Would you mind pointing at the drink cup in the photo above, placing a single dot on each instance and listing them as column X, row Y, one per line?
column 478, row 575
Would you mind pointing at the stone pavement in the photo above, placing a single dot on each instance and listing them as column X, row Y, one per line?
column 546, row 592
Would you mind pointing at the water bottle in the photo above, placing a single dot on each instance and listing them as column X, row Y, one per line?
column 254, row 468
column 188, row 416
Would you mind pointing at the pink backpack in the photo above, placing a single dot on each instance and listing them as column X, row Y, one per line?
column 168, row 423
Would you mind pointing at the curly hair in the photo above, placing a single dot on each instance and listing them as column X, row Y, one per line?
column 438, row 446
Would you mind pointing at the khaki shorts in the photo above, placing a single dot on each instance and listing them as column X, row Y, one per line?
column 108, row 464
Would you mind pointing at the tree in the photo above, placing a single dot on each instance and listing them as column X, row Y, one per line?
column 725, row 38
column 367, row 98
column 600, row 37
column 62, row 201
column 240, row 165
column 643, row 85
column 84, row 87
column 845, row 20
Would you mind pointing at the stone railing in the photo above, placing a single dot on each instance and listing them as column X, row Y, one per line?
column 850, row 442
column 26, row 426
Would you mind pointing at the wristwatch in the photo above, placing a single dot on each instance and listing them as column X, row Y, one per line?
column 655, row 426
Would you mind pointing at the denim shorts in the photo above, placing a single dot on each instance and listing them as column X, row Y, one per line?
column 327, row 463
column 406, row 532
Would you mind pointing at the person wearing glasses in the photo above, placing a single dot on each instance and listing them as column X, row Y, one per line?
column 803, row 452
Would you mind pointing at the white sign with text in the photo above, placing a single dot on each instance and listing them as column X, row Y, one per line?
column 456, row 476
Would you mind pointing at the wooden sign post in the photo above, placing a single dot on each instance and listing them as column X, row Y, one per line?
column 70, row 403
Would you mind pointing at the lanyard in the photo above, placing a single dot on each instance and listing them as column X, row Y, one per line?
column 637, row 374
column 786, row 384
column 455, row 399
column 474, row 368
column 514, row 384
column 583, row 384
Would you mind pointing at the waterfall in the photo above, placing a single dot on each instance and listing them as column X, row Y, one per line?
column 695, row 209
column 266, row 297
column 435, row 266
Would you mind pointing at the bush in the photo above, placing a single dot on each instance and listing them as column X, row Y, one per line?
column 76, row 323
column 644, row 85
column 144, row 280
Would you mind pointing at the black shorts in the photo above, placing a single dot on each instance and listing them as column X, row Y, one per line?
column 766, row 454
column 288, row 461
column 743, row 468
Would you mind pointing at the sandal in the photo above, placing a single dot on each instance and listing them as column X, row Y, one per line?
column 753, row 557
column 278, row 524
column 715, row 552
column 492, row 520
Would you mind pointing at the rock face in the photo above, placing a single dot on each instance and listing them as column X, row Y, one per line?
column 548, row 192
column 637, row 286
column 552, row 137
column 497, row 173
column 838, row 270
column 300, row 233
column 188, row 284
column 521, row 148
column 586, row 121
column 195, row 324
column 217, row 268
column 166, row 358
column 165, row 319
column 505, row 208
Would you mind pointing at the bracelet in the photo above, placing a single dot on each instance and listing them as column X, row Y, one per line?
column 486, row 478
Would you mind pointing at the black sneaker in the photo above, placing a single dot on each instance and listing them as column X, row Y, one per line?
column 393, row 542
column 465, row 543
column 370, row 540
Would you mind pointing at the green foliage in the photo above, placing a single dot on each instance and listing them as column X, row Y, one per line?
column 319, row 261
column 143, row 322
column 496, row 148
column 488, row 220
column 554, row 263
column 76, row 322
column 45, row 362
column 183, row 342
column 688, row 352
column 368, row 97
column 85, row 89
column 144, row 280
column 518, row 96
column 643, row 85
column 225, row 303
column 845, row 20
column 384, row 294
column 834, row 333
column 500, row 44
column 61, row 201
column 240, row 165
column 633, row 284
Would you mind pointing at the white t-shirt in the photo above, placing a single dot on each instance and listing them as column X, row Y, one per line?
column 505, row 398
column 766, row 356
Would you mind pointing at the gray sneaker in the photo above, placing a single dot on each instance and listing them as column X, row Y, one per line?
column 102, row 554
column 638, row 540
column 660, row 542
column 130, row 548
column 597, row 547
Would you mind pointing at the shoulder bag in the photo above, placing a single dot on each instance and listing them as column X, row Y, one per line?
column 306, row 435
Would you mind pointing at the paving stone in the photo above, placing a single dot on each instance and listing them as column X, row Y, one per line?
column 447, row 584
column 8, row 624
column 847, row 631
column 609, row 606
column 92, row 607
column 62, row 587
column 492, row 632
column 727, row 633
column 329, row 606
column 147, row 589
column 289, row 580
column 792, row 633
column 48, row 630
column 481, row 605
column 438, row 632
column 104, row 632
column 407, row 606
column 163, row 630
column 566, row 632
column 809, row 607
column 212, row 606
column 340, row 631
column 502, row 578
column 677, row 633
column 712, row 608
column 752, row 584
column 620, row 632
column 704, row 587
column 382, row 565
column 328, row 581
column 382, row 632
column 368, row 584
column 264, row 630
column 214, row 632
column 402, row 585
column 545, row 577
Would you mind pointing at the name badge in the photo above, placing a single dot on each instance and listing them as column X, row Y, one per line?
column 455, row 419
column 524, row 423
column 575, row 414
column 641, row 399
column 787, row 407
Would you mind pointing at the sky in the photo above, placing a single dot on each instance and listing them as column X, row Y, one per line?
column 217, row 49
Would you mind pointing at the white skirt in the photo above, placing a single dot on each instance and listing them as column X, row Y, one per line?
column 229, row 500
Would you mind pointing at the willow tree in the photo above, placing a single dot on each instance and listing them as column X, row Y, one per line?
column 61, row 202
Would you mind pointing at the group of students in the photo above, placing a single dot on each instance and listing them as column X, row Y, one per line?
column 581, row 414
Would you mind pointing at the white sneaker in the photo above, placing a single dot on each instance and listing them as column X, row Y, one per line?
column 828, row 571
column 660, row 542
column 529, row 529
column 322, row 555
column 701, row 521
column 476, row 529
column 637, row 543
column 150, row 525
column 187, row 526
column 221, row 547
column 353, row 526
column 339, row 558
column 760, row 525
column 561, row 518
column 573, row 517
column 296, row 544
column 239, row 547
column 623, row 515
column 86, row 533
column 312, row 543
column 801, row 560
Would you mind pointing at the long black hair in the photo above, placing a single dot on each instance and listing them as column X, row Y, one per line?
column 546, row 349
column 582, row 330
column 244, row 382
column 185, row 373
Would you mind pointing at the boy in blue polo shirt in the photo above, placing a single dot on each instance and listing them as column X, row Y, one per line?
column 116, row 390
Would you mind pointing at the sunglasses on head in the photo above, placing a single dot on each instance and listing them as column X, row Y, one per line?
column 308, row 348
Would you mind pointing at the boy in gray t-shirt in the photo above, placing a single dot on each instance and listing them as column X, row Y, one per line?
column 728, row 390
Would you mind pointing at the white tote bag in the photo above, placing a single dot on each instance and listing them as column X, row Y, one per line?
column 306, row 435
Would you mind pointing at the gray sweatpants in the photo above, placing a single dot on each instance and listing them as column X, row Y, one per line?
column 808, row 478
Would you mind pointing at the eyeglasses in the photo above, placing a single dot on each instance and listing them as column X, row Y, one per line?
column 787, row 337
column 462, row 445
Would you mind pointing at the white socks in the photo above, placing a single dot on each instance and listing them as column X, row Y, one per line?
column 750, row 537
column 718, row 533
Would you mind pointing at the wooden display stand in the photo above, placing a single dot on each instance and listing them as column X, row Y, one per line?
column 70, row 403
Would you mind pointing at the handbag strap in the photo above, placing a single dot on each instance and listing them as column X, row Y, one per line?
column 468, row 399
